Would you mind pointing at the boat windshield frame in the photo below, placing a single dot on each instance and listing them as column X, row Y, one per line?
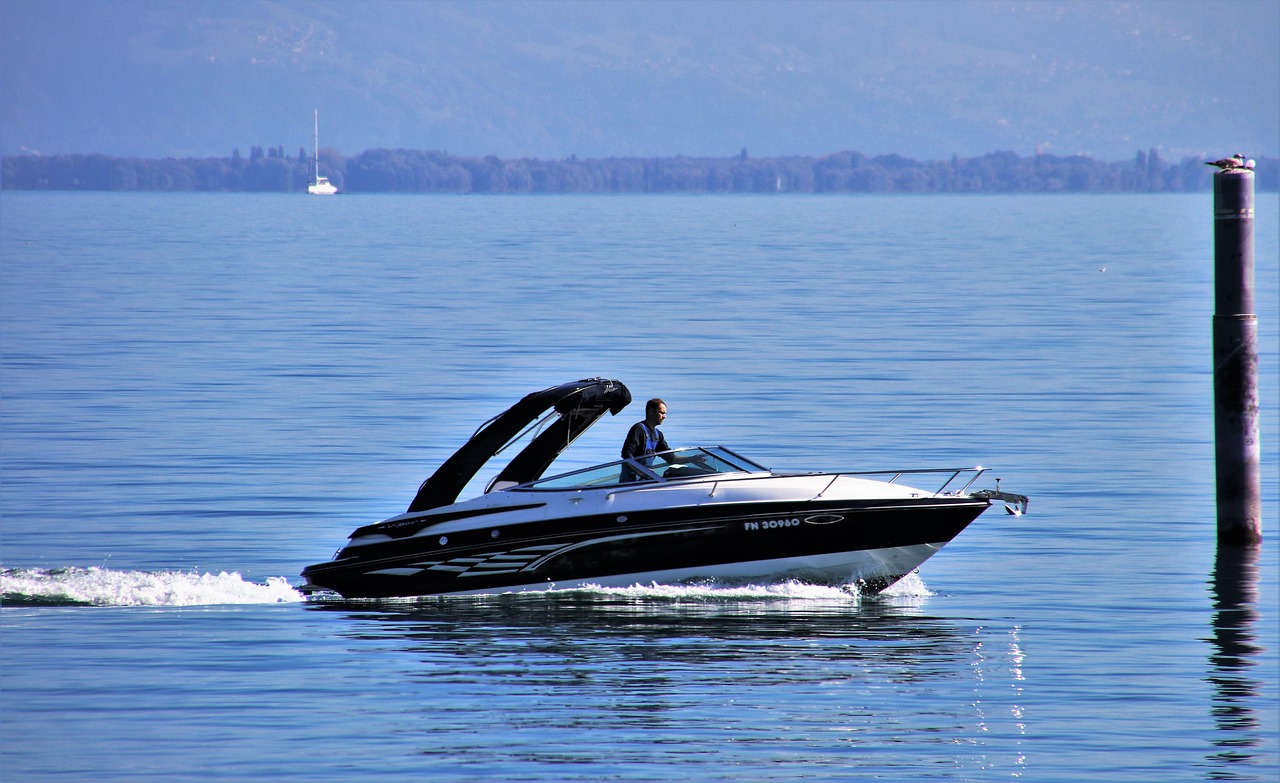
column 689, row 462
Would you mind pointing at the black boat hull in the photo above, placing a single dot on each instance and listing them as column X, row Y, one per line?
column 869, row 542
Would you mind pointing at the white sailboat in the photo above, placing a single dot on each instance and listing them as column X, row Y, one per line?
column 320, row 186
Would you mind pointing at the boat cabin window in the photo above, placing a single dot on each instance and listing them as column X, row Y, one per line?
column 664, row 466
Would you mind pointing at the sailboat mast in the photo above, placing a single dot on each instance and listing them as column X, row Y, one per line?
column 316, row 146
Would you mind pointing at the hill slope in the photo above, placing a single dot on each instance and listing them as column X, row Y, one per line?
column 553, row 79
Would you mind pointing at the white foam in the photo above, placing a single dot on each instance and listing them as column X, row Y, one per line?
column 908, row 590
column 714, row 591
column 909, row 586
column 106, row 587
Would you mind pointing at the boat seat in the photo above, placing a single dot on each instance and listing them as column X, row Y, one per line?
column 498, row 486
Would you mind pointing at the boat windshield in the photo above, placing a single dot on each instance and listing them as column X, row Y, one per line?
column 692, row 462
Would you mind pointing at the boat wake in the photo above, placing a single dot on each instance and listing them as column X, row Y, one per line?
column 784, row 591
column 910, row 586
column 107, row 587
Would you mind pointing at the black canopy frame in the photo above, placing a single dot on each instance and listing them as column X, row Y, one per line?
column 580, row 404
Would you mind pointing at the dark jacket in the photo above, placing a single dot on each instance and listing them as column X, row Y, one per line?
column 634, row 445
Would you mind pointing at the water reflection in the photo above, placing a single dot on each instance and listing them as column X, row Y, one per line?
column 712, row 616
column 1234, row 589
column 736, row 636
column 809, row 686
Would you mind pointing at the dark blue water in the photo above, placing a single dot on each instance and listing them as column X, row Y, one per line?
column 203, row 393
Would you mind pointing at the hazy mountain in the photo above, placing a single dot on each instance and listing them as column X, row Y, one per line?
column 552, row 79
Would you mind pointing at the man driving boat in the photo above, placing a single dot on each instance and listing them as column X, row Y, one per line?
column 644, row 440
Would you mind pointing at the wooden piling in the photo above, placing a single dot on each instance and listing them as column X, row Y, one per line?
column 1235, row 361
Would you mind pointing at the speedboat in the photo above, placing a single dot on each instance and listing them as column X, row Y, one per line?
column 688, row 515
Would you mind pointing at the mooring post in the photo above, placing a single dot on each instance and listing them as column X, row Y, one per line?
column 1235, row 361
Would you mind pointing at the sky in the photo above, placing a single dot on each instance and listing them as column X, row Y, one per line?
column 556, row 78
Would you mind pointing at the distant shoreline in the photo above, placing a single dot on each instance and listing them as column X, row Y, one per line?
column 414, row 171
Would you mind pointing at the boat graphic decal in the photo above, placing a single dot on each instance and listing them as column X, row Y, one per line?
column 608, row 539
column 528, row 558
column 484, row 564
column 395, row 572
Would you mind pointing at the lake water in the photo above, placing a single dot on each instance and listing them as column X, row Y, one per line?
column 202, row 393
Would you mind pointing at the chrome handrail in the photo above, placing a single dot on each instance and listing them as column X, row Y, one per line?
column 650, row 478
column 955, row 473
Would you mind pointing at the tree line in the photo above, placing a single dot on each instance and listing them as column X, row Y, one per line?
column 415, row 171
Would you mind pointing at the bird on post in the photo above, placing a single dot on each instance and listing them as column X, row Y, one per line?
column 1234, row 162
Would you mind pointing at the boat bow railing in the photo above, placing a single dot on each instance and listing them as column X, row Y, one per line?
column 956, row 482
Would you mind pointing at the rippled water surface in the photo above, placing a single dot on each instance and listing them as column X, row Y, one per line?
column 203, row 393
